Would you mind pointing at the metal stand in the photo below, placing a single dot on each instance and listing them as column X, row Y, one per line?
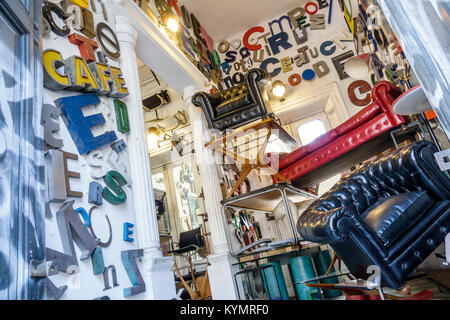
column 264, row 200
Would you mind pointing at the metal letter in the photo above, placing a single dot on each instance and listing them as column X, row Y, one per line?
column 79, row 126
column 86, row 46
column 339, row 66
column 53, row 79
column 106, row 278
column 114, row 180
column 98, row 264
column 91, row 229
column 95, row 193
column 49, row 114
column 70, row 174
column 129, row 262
column 106, row 35
column 55, row 176
column 123, row 124
column 127, row 232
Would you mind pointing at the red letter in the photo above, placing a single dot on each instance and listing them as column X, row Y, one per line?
column 174, row 4
column 86, row 46
column 248, row 34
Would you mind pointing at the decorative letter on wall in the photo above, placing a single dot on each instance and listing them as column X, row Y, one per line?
column 86, row 46
column 53, row 79
column 127, row 232
column 337, row 61
column 106, row 278
column 98, row 264
column 91, row 229
column 69, row 221
column 106, row 34
column 123, row 125
column 49, row 114
column 79, row 126
column 95, row 193
column 129, row 262
column 114, row 194
column 55, row 176
column 363, row 87
column 85, row 216
column 47, row 10
column 70, row 174
column 95, row 160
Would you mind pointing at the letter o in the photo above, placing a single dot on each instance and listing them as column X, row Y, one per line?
column 311, row 4
column 295, row 79
column 223, row 46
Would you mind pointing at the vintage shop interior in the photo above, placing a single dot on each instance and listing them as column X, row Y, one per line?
column 237, row 150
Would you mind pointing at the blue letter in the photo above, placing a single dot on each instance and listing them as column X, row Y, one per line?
column 79, row 126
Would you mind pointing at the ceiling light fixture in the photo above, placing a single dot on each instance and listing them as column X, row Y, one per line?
column 278, row 88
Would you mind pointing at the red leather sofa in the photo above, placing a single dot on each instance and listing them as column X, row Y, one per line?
column 362, row 136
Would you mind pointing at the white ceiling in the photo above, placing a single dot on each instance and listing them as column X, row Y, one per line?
column 223, row 19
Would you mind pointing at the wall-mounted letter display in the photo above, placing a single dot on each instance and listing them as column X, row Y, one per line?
column 81, row 3
column 55, row 176
column 96, row 161
column 339, row 65
column 116, row 163
column 53, row 78
column 79, row 126
column 106, row 277
column 80, row 75
column 54, row 292
column 128, row 260
column 119, row 146
column 114, row 193
column 75, row 17
column 95, row 193
column 97, row 239
column 47, row 11
column 86, row 46
column 362, row 87
column 88, row 19
column 49, row 114
column 98, row 264
column 75, row 74
column 84, row 215
column 105, row 35
column 70, row 174
column 68, row 222
column 127, row 232
column 123, row 124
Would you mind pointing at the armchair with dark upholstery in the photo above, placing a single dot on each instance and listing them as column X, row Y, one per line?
column 392, row 212
column 237, row 105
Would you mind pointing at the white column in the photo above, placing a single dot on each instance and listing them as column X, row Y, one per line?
column 157, row 274
column 220, row 272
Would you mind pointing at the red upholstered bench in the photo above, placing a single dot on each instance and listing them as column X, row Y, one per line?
column 357, row 139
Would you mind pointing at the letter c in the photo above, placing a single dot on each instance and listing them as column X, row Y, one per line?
column 247, row 35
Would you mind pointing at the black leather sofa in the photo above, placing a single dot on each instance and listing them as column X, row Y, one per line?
column 237, row 105
column 392, row 212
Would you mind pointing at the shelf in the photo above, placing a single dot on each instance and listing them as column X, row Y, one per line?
column 267, row 198
column 156, row 50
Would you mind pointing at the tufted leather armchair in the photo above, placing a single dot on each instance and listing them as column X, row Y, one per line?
column 235, row 106
column 391, row 212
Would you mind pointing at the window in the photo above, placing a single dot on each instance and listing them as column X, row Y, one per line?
column 187, row 199
column 309, row 131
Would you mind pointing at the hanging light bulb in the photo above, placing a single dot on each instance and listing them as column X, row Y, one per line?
column 278, row 88
column 153, row 137
column 172, row 24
